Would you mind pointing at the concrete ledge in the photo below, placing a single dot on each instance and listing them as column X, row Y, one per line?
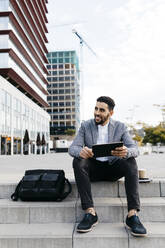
column 155, row 188
column 150, row 189
column 36, row 235
column 155, row 238
column 162, row 187
column 7, row 189
column 102, row 236
column 36, row 212
column 108, row 210
column 152, row 209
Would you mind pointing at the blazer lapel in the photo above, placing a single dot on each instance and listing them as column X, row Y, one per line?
column 94, row 131
column 111, row 130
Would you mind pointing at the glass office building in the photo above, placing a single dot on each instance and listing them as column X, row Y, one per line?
column 63, row 88
column 23, row 75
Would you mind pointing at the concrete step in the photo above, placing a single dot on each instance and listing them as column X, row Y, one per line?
column 57, row 235
column 114, row 210
column 64, row 235
column 37, row 212
column 7, row 189
column 111, row 210
column 155, row 188
column 115, row 235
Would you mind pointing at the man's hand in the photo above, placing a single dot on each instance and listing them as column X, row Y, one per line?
column 86, row 153
column 120, row 152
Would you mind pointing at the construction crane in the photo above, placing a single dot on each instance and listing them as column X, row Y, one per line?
column 82, row 42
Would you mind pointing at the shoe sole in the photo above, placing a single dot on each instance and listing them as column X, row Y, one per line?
column 87, row 230
column 136, row 234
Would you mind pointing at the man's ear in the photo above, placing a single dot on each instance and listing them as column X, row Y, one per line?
column 111, row 112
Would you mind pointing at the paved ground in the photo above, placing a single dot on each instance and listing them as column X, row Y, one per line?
column 12, row 167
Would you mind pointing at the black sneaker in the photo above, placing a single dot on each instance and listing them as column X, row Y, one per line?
column 137, row 228
column 87, row 223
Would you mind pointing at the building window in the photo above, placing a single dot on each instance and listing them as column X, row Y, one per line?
column 55, row 124
column 54, row 72
column 66, row 66
column 67, row 60
column 54, row 61
column 60, row 66
column 61, row 104
column 55, row 104
column 48, row 67
column 61, row 79
column 61, row 91
column 54, row 54
column 60, row 54
column 61, row 97
column 54, row 66
column 67, row 91
column 66, row 54
column 67, row 97
column 61, row 110
column 62, row 123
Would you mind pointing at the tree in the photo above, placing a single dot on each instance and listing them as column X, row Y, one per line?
column 70, row 132
column 154, row 135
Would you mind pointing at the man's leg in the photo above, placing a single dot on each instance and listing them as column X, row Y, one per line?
column 81, row 170
column 128, row 168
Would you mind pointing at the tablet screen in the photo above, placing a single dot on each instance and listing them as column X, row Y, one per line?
column 104, row 150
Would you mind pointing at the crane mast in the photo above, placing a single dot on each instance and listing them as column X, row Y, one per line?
column 82, row 42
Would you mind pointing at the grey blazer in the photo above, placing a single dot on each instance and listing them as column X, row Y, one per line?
column 88, row 133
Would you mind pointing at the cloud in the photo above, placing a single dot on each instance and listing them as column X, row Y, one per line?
column 133, row 72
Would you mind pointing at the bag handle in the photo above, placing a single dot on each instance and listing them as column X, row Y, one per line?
column 15, row 196
column 65, row 194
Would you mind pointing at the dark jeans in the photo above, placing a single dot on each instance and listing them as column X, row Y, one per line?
column 91, row 170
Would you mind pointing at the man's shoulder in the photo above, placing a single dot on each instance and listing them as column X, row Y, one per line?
column 117, row 124
column 88, row 123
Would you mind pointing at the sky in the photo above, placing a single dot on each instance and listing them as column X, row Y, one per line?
column 128, row 37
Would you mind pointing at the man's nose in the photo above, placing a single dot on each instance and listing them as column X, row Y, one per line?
column 97, row 111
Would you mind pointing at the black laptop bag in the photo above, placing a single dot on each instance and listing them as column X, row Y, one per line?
column 42, row 185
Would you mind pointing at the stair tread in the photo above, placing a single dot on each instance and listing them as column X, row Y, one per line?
column 119, row 229
column 69, row 202
column 36, row 230
column 62, row 229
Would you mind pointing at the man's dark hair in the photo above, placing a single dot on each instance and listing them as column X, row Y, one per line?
column 109, row 101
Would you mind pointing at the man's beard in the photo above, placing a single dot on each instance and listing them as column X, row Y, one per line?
column 102, row 120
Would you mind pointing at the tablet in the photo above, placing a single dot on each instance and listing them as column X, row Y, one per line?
column 104, row 150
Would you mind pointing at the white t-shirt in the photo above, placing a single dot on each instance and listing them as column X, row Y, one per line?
column 102, row 138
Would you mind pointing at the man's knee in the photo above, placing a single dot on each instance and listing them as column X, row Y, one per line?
column 79, row 163
column 131, row 165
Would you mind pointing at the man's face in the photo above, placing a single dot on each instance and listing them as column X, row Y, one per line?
column 102, row 113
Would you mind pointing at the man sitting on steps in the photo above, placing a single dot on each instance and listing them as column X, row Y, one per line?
column 101, row 130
